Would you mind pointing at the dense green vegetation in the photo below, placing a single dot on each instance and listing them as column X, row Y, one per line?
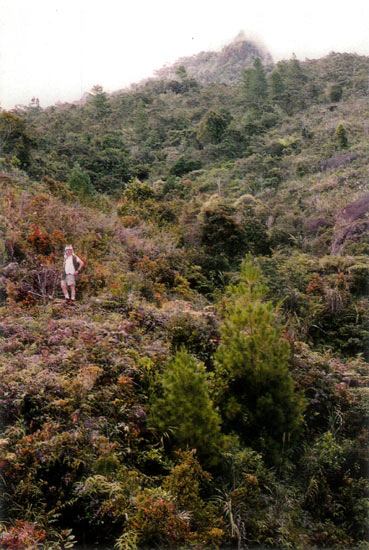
column 210, row 385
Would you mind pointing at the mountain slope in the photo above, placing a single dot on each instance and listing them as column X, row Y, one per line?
column 163, row 190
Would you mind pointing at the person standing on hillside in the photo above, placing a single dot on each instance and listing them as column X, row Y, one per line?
column 71, row 268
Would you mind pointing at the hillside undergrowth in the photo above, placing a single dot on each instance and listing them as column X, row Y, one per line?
column 224, row 231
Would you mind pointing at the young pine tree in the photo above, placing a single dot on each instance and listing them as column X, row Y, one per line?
column 255, row 86
column 185, row 410
column 276, row 86
column 287, row 85
column 257, row 396
column 100, row 102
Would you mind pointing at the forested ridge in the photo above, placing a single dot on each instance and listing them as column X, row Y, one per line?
column 209, row 387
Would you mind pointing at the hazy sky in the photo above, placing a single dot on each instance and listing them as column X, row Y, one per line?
column 58, row 49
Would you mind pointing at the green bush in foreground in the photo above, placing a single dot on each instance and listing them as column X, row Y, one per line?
column 184, row 408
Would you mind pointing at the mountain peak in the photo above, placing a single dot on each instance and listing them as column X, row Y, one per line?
column 224, row 66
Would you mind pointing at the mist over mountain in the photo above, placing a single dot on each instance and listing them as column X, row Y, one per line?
column 224, row 66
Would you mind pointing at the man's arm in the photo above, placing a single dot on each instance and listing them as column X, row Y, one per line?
column 80, row 262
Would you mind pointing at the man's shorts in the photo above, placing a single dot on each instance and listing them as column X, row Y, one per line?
column 69, row 279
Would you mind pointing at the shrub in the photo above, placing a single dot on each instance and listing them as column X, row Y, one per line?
column 186, row 482
column 80, row 182
column 341, row 136
column 184, row 165
column 212, row 127
column 22, row 535
column 335, row 92
column 137, row 191
column 197, row 333
column 156, row 520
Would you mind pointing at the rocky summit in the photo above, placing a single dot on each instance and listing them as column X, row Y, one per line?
column 224, row 66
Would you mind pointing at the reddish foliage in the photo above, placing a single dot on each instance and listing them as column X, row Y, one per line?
column 44, row 243
column 22, row 535
column 39, row 240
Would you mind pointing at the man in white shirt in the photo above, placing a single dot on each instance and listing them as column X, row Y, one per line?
column 72, row 266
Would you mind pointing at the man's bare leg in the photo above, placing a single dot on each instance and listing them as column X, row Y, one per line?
column 73, row 292
column 65, row 290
